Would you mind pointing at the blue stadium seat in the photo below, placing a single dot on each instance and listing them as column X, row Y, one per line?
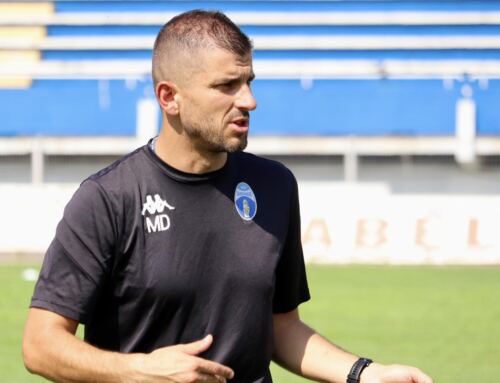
column 381, row 68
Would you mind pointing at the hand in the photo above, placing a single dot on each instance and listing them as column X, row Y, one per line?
column 181, row 364
column 377, row 373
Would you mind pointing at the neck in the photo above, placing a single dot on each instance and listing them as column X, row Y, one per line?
column 180, row 152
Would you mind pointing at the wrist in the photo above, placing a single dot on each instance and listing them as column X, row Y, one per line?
column 133, row 367
column 357, row 369
column 370, row 373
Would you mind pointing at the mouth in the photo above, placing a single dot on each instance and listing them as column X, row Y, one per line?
column 240, row 125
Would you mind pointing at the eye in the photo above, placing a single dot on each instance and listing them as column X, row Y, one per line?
column 228, row 84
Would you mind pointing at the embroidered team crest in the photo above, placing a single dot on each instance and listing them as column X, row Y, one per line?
column 245, row 202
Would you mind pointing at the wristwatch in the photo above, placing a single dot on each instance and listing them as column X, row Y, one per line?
column 357, row 368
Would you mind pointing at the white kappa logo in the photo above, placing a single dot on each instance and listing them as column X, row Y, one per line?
column 156, row 206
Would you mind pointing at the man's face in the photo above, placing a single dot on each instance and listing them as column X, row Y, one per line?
column 214, row 103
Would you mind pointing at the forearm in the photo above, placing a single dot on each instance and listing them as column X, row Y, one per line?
column 51, row 349
column 309, row 354
column 300, row 349
column 60, row 356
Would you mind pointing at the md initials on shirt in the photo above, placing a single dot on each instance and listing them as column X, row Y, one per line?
column 160, row 222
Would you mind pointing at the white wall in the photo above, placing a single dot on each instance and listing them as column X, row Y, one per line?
column 29, row 215
column 343, row 224
column 340, row 223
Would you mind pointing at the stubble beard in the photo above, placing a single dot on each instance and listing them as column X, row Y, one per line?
column 212, row 139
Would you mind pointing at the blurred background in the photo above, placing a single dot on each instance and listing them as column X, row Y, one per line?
column 388, row 113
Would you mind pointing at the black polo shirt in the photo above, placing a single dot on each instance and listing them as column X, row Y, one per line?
column 147, row 256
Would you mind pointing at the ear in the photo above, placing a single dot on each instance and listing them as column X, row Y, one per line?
column 166, row 95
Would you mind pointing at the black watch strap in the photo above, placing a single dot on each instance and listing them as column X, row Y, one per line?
column 357, row 368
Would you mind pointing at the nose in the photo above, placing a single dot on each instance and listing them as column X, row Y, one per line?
column 245, row 99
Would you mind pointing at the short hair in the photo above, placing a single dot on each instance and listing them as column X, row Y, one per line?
column 196, row 29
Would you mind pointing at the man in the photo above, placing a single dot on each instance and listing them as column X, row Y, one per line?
column 183, row 259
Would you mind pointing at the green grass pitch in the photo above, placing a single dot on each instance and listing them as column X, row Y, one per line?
column 445, row 320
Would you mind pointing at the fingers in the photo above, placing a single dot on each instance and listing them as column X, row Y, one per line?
column 420, row 377
column 214, row 369
column 204, row 366
column 197, row 347
column 205, row 378
column 197, row 368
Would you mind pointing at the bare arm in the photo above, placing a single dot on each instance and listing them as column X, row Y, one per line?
column 51, row 349
column 303, row 351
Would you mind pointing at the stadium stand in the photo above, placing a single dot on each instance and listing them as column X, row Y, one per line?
column 21, row 32
column 348, row 78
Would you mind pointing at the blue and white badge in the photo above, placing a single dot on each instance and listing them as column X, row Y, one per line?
column 244, row 201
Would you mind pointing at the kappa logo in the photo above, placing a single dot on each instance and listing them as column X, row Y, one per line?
column 160, row 222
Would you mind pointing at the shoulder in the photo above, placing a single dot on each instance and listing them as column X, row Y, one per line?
column 266, row 177
column 263, row 167
column 104, row 197
column 127, row 166
column 120, row 180
column 115, row 184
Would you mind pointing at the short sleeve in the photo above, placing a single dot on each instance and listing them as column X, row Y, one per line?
column 77, row 263
column 291, row 287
